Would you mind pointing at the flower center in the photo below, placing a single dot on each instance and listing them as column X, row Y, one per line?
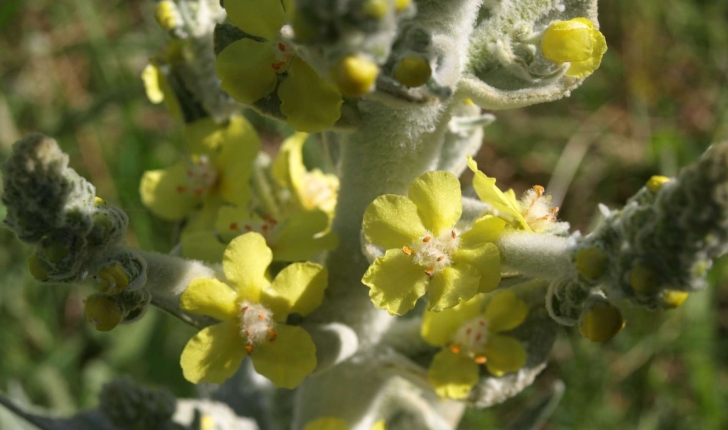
column 201, row 177
column 283, row 54
column 434, row 253
column 256, row 324
column 317, row 191
column 537, row 210
column 267, row 227
column 471, row 339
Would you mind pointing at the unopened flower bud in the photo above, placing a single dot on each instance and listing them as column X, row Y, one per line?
column 401, row 5
column 577, row 42
column 592, row 262
column 37, row 268
column 167, row 15
column 112, row 280
column 103, row 312
column 413, row 71
column 601, row 321
column 674, row 299
column 376, row 9
column 354, row 75
column 644, row 280
column 656, row 182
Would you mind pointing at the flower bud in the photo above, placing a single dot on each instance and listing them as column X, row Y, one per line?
column 37, row 268
column 112, row 280
column 167, row 15
column 401, row 5
column 601, row 321
column 103, row 312
column 577, row 42
column 413, row 71
column 656, row 182
column 354, row 75
column 644, row 280
column 376, row 9
column 674, row 299
column 592, row 262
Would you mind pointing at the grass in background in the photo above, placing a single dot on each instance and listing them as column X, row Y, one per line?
column 70, row 69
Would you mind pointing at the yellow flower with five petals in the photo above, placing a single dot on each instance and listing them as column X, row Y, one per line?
column 252, row 311
column 250, row 68
column 470, row 338
column 217, row 172
column 425, row 252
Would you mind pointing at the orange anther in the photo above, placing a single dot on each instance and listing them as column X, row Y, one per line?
column 181, row 189
column 452, row 233
column 261, row 316
column 198, row 192
column 265, row 227
column 248, row 227
column 234, row 226
column 427, row 239
column 248, row 332
column 455, row 349
column 273, row 335
column 407, row 251
column 430, row 272
column 539, row 190
column 243, row 309
column 248, row 348
column 468, row 331
column 478, row 337
column 440, row 258
column 480, row 359
column 281, row 47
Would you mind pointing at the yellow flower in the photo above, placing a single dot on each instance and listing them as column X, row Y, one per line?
column 253, row 312
column 470, row 339
column 217, row 172
column 249, row 69
column 577, row 42
column 297, row 238
column 532, row 213
column 310, row 190
column 158, row 89
column 426, row 253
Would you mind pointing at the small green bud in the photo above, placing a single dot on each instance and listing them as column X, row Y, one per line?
column 103, row 312
column 376, row 9
column 592, row 262
column 656, row 182
column 37, row 268
column 413, row 71
column 644, row 280
column 354, row 75
column 601, row 322
column 112, row 280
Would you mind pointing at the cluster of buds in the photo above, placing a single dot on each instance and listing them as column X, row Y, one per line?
column 75, row 233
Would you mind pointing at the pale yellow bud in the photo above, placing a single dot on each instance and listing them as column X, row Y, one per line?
column 592, row 262
column 674, row 299
column 376, row 9
column 103, row 312
column 354, row 75
column 413, row 71
column 112, row 280
column 656, row 182
column 601, row 322
column 37, row 269
column 644, row 280
column 167, row 15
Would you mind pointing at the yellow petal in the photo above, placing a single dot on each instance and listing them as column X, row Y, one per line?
column 245, row 262
column 485, row 230
column 379, row 425
column 567, row 41
column 504, row 353
column 288, row 167
column 452, row 375
column 451, row 286
column 585, row 68
column 309, row 103
column 395, row 282
column 297, row 289
column 505, row 311
column 391, row 221
column 300, row 237
column 203, row 137
column 438, row 328
column 438, row 200
column 327, row 423
column 486, row 260
column 235, row 166
column 287, row 360
column 263, row 18
column 210, row 297
column 165, row 192
column 202, row 246
column 150, row 77
column 244, row 67
column 489, row 193
column 213, row 355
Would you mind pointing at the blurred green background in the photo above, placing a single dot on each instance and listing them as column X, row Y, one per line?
column 71, row 70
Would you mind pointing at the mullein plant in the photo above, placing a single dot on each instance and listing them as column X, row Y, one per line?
column 374, row 294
